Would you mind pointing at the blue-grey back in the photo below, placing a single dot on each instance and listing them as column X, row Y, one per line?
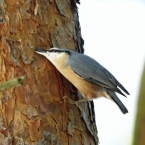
column 90, row 70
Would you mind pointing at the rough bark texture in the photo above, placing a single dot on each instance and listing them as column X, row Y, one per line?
column 35, row 112
column 139, row 130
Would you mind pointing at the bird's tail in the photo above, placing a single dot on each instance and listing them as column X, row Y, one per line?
column 117, row 101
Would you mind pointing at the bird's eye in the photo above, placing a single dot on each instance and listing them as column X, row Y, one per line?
column 52, row 50
column 49, row 50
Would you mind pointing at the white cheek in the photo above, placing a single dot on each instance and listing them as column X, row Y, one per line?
column 54, row 56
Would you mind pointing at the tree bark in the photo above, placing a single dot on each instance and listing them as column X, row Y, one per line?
column 35, row 112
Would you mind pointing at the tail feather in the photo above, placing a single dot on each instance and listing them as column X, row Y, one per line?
column 120, row 86
column 120, row 92
column 117, row 101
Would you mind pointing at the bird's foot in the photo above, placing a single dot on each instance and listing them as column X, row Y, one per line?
column 75, row 103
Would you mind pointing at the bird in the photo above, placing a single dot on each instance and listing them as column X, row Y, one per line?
column 90, row 78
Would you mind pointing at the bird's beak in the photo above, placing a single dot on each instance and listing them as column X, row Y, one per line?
column 40, row 51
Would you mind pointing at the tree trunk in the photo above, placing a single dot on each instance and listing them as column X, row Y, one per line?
column 35, row 112
column 139, row 128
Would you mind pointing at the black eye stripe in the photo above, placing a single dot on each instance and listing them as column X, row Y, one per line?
column 59, row 51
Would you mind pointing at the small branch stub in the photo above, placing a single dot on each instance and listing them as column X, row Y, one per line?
column 12, row 83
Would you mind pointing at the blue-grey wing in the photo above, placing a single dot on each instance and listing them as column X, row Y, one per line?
column 92, row 71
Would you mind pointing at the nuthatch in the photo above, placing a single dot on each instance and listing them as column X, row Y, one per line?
column 86, row 74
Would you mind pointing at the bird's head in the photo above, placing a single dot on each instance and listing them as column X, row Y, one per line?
column 54, row 54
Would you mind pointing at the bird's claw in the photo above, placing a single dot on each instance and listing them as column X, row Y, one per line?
column 75, row 103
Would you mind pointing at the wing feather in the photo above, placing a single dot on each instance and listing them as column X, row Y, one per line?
column 92, row 71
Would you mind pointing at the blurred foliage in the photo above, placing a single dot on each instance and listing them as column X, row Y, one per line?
column 139, row 129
